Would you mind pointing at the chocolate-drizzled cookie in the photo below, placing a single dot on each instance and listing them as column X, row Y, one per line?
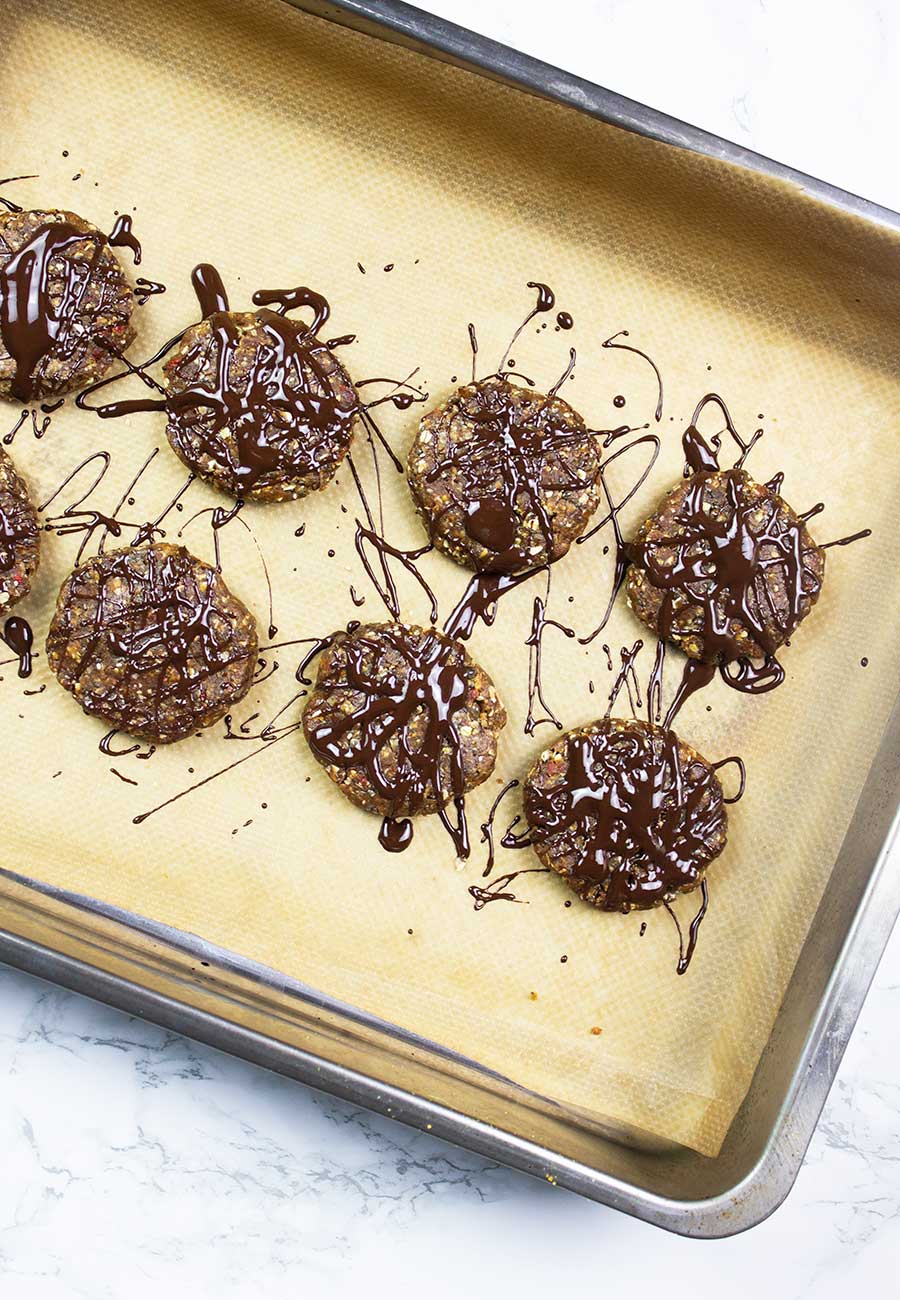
column 724, row 568
column 150, row 639
column 504, row 477
column 626, row 812
column 256, row 404
column 404, row 722
column 65, row 304
column 19, row 536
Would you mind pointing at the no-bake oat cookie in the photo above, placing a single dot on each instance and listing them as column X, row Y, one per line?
column 626, row 812
column 19, row 536
column 504, row 477
column 724, row 568
column 258, row 406
column 65, row 304
column 150, row 639
column 402, row 719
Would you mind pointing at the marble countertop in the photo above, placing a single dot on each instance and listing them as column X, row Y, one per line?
column 135, row 1161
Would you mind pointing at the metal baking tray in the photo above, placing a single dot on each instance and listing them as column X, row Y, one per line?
column 190, row 986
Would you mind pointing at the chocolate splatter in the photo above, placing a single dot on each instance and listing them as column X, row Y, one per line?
column 19, row 637
column 628, row 347
column 498, row 890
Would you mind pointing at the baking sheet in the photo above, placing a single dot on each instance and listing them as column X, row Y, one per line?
column 292, row 155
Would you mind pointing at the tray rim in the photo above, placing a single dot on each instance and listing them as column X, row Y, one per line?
column 768, row 1182
column 441, row 38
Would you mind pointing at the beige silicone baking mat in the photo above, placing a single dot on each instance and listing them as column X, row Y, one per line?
column 286, row 151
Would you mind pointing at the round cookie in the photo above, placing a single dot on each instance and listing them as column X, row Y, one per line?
column 402, row 719
column 504, row 477
column 724, row 568
column 65, row 304
column 151, row 640
column 258, row 406
column 19, row 536
column 626, row 812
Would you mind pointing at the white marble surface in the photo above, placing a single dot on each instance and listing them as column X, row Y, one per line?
column 133, row 1160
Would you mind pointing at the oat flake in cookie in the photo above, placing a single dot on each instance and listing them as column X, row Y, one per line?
column 626, row 812
column 65, row 304
column 256, row 403
column 150, row 639
column 724, row 568
column 19, row 536
column 405, row 723
column 504, row 477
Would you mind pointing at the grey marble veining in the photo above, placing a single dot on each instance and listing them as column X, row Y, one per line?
column 134, row 1159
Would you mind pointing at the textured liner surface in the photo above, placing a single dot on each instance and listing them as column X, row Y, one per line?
column 287, row 154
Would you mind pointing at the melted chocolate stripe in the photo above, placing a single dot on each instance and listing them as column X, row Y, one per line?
column 628, row 347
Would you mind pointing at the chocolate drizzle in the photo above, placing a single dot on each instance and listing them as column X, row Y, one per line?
column 388, row 590
column 219, row 518
column 122, row 236
column 62, row 296
column 628, row 347
column 539, row 624
column 385, row 713
column 19, row 637
column 694, row 677
column 686, row 951
column 626, row 812
column 487, row 827
column 20, row 420
column 546, row 300
column 479, row 600
column 612, row 517
column 106, row 746
column 498, row 890
column 77, row 517
column 395, row 834
column 701, row 457
column 151, row 640
column 8, row 180
column 146, row 289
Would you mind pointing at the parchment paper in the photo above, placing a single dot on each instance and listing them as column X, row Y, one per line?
column 287, row 151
